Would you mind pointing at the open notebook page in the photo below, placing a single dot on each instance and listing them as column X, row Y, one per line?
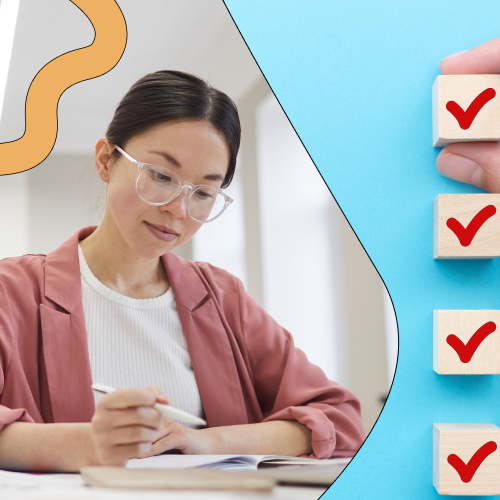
column 237, row 463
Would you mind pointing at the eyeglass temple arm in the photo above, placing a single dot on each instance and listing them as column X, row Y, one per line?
column 126, row 155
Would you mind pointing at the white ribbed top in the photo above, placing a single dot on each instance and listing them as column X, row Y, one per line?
column 137, row 342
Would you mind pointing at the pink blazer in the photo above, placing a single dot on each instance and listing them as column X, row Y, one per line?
column 246, row 365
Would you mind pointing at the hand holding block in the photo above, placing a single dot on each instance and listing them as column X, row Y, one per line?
column 465, row 108
column 467, row 226
column 467, row 342
column 466, row 459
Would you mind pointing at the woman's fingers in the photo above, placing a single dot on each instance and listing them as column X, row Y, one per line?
column 170, row 437
column 160, row 397
column 476, row 163
column 483, row 59
column 173, row 436
column 126, row 424
column 127, row 397
column 131, row 434
column 141, row 415
column 166, row 443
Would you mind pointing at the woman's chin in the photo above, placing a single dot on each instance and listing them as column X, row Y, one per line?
column 155, row 250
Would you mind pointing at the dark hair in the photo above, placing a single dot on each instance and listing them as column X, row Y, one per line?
column 171, row 95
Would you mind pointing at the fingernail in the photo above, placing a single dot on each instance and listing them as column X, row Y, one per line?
column 451, row 56
column 459, row 168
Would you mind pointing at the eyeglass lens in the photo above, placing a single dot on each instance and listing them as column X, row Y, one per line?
column 155, row 185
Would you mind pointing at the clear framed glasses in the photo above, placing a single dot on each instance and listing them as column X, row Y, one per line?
column 159, row 185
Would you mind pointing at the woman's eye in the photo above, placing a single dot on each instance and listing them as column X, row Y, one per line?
column 158, row 176
column 203, row 195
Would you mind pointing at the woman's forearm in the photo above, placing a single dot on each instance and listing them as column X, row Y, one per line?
column 278, row 437
column 46, row 447
column 69, row 447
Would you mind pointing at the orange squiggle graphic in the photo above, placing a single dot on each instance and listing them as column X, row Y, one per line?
column 57, row 76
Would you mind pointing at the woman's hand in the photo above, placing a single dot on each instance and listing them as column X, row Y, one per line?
column 475, row 163
column 125, row 424
column 278, row 437
column 188, row 441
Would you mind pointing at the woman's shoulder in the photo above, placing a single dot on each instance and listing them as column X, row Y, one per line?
column 217, row 272
column 197, row 279
column 23, row 271
column 218, row 278
column 228, row 290
column 198, row 283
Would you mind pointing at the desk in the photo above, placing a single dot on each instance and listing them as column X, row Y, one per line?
column 18, row 486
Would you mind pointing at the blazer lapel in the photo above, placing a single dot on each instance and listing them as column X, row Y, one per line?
column 67, row 365
column 64, row 335
column 208, row 344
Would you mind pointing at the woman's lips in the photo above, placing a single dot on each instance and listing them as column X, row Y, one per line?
column 162, row 235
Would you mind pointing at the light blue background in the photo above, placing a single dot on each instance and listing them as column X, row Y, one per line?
column 355, row 79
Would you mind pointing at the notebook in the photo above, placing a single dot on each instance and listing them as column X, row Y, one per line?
column 192, row 479
column 233, row 463
column 319, row 475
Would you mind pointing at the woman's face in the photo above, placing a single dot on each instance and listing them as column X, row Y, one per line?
column 195, row 150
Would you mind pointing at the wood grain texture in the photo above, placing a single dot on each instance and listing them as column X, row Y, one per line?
column 174, row 479
column 464, row 207
column 463, row 89
column 464, row 440
column 463, row 324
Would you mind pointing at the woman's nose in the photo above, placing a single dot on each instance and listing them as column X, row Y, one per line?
column 178, row 206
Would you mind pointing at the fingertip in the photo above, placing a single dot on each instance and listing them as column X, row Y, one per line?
column 483, row 59
column 459, row 168
column 138, row 397
column 452, row 56
column 145, row 449
column 152, row 451
column 442, row 153
column 157, row 392
column 453, row 63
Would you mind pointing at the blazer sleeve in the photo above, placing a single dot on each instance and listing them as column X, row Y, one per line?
column 289, row 387
column 7, row 346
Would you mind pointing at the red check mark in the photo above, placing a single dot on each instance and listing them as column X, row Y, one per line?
column 466, row 351
column 466, row 234
column 467, row 471
column 465, row 118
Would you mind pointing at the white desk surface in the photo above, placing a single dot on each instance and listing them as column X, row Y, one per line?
column 18, row 486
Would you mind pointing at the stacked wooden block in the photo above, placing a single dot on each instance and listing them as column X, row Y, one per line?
column 466, row 342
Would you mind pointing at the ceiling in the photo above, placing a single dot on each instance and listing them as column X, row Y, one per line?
column 197, row 36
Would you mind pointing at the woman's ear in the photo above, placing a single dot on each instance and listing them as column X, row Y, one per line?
column 103, row 152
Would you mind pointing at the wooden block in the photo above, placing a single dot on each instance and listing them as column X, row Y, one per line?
column 472, row 93
column 455, row 216
column 456, row 443
column 454, row 351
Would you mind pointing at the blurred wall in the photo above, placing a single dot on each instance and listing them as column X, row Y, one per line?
column 283, row 236
column 65, row 194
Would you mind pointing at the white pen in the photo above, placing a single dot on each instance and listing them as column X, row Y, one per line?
column 165, row 410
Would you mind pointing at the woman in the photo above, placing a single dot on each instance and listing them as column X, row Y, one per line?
column 114, row 305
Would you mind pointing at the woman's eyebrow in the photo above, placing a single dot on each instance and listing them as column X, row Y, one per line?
column 175, row 163
column 214, row 177
column 167, row 157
